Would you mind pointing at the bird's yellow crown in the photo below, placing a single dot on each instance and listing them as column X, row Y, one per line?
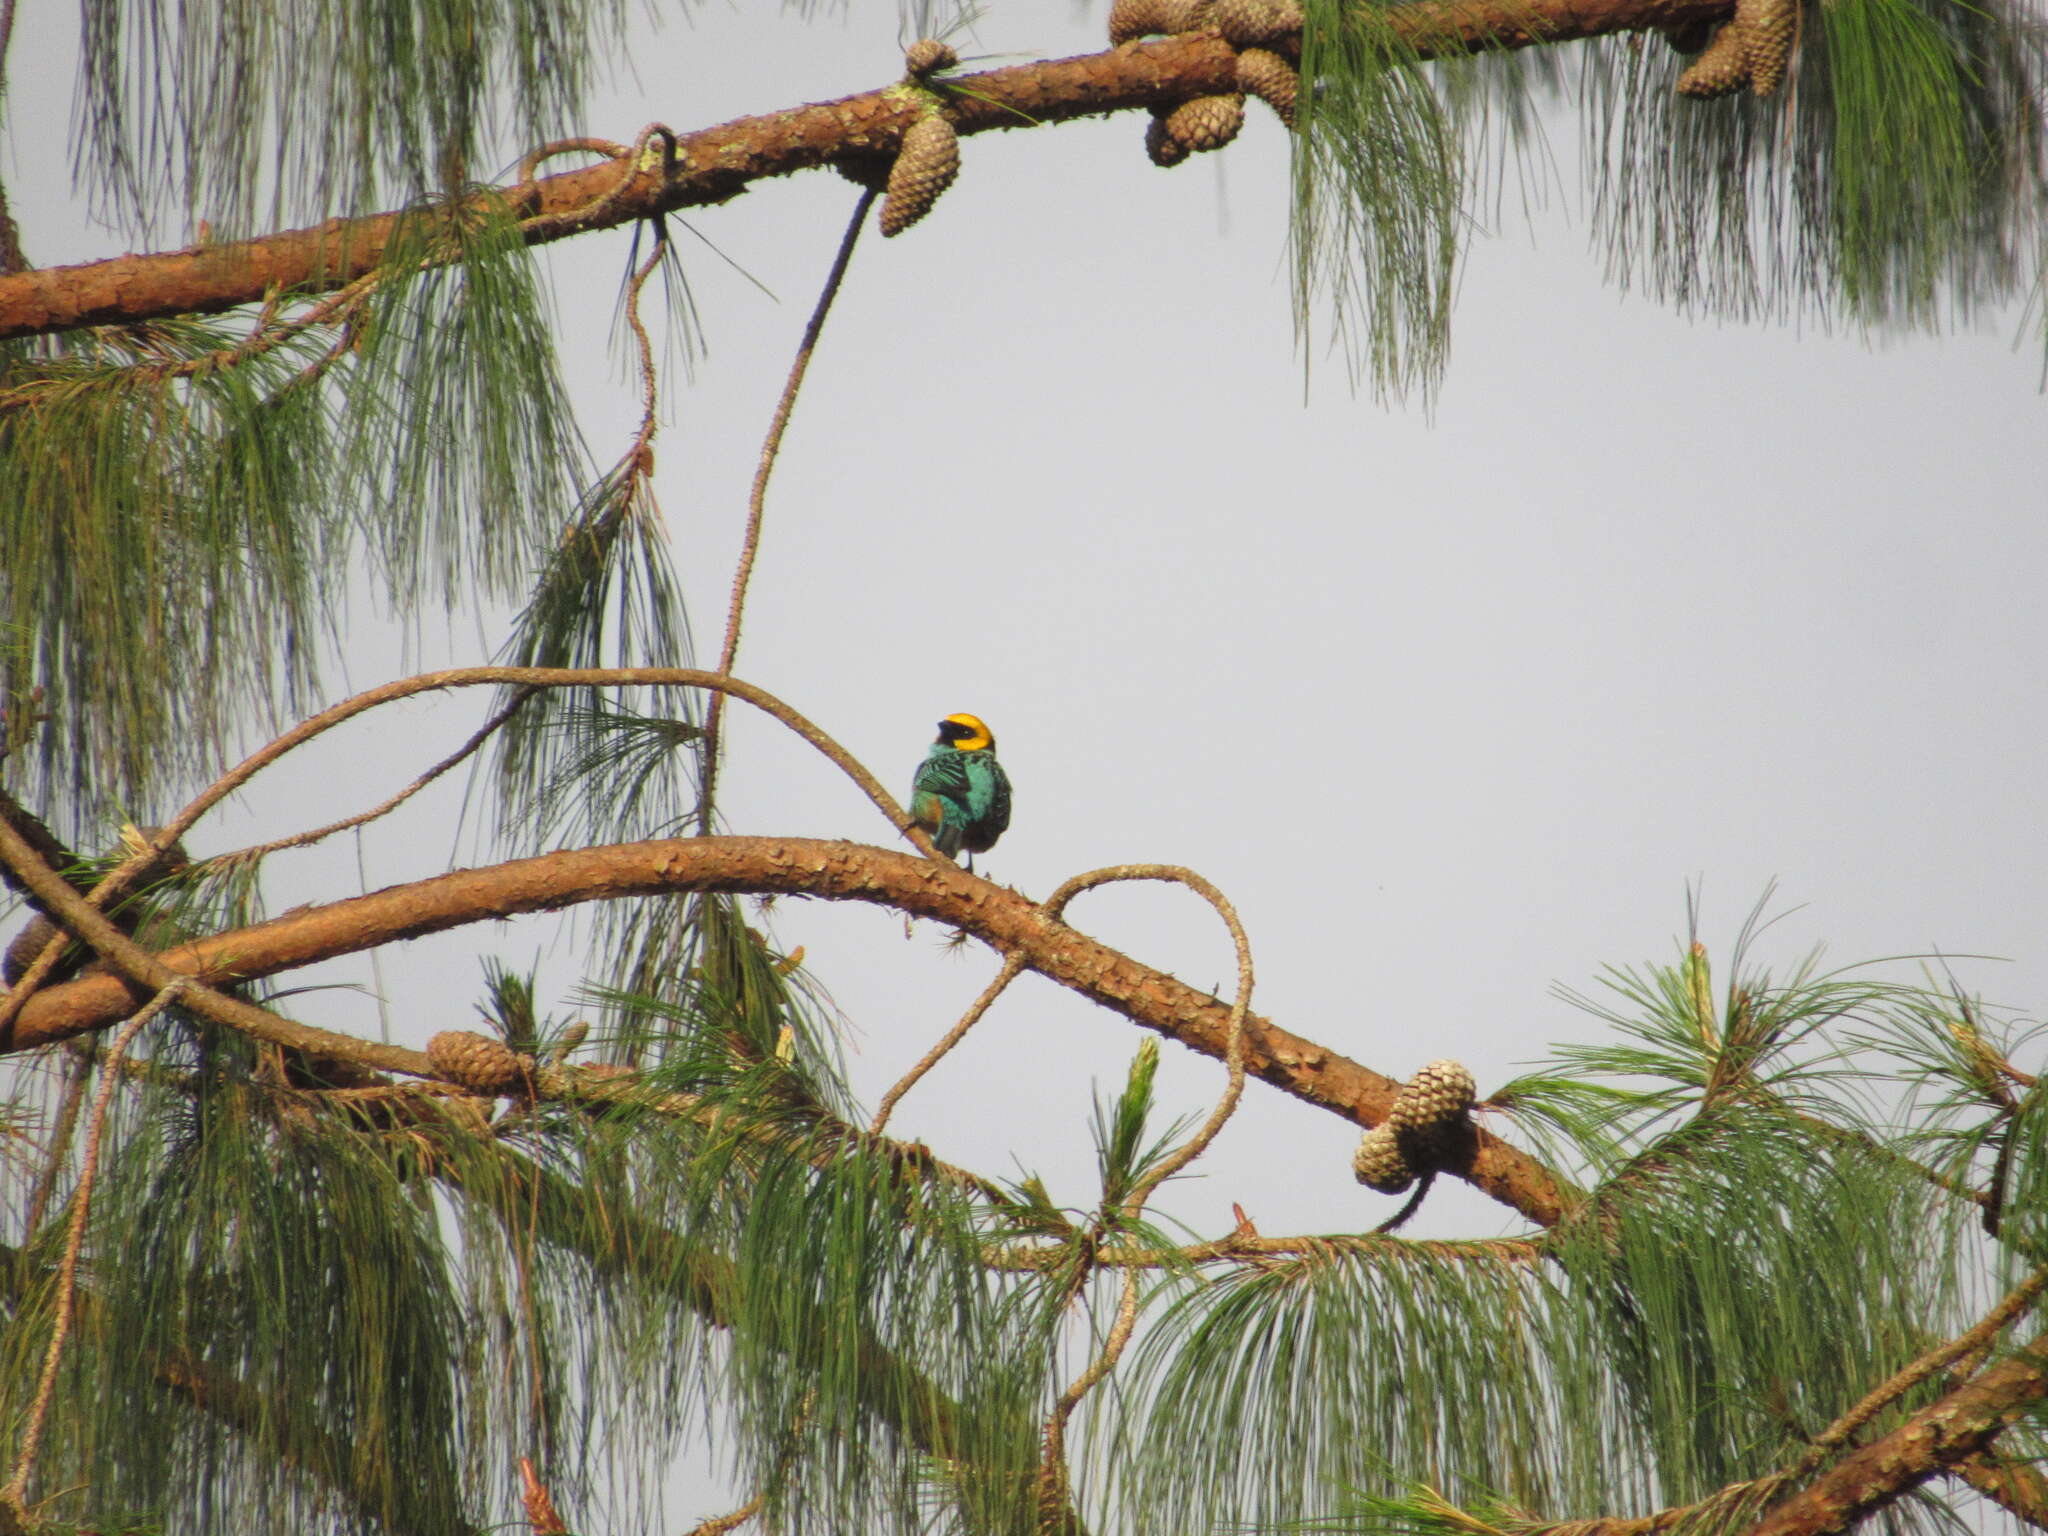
column 967, row 733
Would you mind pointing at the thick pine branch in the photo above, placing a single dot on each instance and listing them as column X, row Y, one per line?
column 716, row 164
column 834, row 871
column 1934, row 1440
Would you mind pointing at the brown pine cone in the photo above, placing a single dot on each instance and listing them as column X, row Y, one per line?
column 1257, row 23
column 928, row 56
column 1434, row 1099
column 1190, row 15
column 925, row 167
column 477, row 1062
column 1166, row 151
column 1773, row 27
column 1270, row 78
column 1379, row 1162
column 1132, row 19
column 1722, row 69
column 26, row 946
column 1207, row 122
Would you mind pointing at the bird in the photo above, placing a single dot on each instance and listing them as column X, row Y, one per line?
column 961, row 795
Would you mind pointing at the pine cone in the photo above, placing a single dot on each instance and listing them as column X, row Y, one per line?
column 1722, row 69
column 1166, row 151
column 27, row 945
column 1190, row 15
column 1257, row 23
column 1131, row 19
column 477, row 1062
column 1270, row 78
column 1434, row 1099
column 1773, row 27
column 1207, row 122
column 925, row 167
column 1379, row 1162
column 928, row 56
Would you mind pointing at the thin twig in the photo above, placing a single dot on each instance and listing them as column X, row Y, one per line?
column 1052, row 1467
column 1198, row 1143
column 81, row 1054
column 117, row 880
column 1263, row 1252
column 306, row 839
column 531, row 163
column 718, row 1525
column 636, row 460
column 757, row 497
column 536, row 677
column 931, row 1058
column 11, row 1496
column 631, row 163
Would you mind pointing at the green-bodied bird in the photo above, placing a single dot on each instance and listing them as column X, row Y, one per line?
column 961, row 795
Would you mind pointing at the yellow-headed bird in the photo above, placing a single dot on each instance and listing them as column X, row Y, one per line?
column 961, row 795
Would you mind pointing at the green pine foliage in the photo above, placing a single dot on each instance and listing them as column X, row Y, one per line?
column 1378, row 176
column 360, row 105
column 174, row 498
column 1895, row 180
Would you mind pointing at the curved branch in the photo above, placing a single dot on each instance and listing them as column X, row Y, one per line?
column 757, row 494
column 714, row 165
column 835, row 871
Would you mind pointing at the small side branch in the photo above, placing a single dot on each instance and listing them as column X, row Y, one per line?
column 757, row 496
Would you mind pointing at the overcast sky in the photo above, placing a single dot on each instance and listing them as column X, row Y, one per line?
column 1452, row 706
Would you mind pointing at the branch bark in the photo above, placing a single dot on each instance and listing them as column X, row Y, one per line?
column 716, row 164
column 1939, row 1437
column 835, row 871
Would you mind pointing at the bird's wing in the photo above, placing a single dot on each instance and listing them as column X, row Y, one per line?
column 942, row 774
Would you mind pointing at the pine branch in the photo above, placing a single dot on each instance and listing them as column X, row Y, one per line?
column 836, row 871
column 141, row 974
column 714, row 165
column 1941, row 1436
column 1264, row 1252
column 2017, row 1486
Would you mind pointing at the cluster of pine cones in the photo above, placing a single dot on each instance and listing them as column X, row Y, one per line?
column 1427, row 1118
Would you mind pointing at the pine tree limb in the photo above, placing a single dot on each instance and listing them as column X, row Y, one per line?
column 1941, row 1436
column 2016, row 1486
column 837, row 871
column 716, row 164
